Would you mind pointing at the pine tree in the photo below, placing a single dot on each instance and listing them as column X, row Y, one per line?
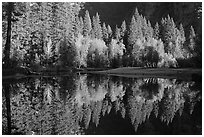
column 132, row 33
column 156, row 31
column 142, row 23
column 136, row 14
column 117, row 33
column 81, row 25
column 87, row 24
column 181, row 29
column 93, row 30
column 124, row 33
column 132, row 38
column 150, row 30
column 109, row 31
column 123, row 29
column 192, row 37
column 97, row 27
column 168, row 34
column 77, row 27
column 104, row 32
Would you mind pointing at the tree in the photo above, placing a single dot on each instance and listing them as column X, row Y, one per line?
column 168, row 34
column 77, row 26
column 150, row 58
column 9, row 10
column 97, row 54
column 149, row 31
column 81, row 25
column 124, row 33
column 117, row 33
column 183, row 38
column 82, row 46
column 87, row 24
column 132, row 34
column 105, row 32
column 172, row 38
column 116, row 51
column 97, row 27
column 192, row 38
column 140, row 24
column 123, row 29
column 136, row 13
column 156, row 31
column 67, row 53
column 109, row 31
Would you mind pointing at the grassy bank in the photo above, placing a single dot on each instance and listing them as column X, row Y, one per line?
column 184, row 73
column 134, row 72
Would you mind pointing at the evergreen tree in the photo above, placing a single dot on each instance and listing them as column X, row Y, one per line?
column 156, row 31
column 105, row 32
column 67, row 53
column 93, row 30
column 136, row 13
column 142, row 23
column 150, row 30
column 170, row 37
column 132, row 31
column 109, row 31
column 81, row 25
column 117, row 33
column 77, row 26
column 124, row 33
column 192, row 38
column 123, row 29
column 183, row 38
column 97, row 27
column 87, row 24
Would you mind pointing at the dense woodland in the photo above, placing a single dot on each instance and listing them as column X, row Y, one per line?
column 53, row 35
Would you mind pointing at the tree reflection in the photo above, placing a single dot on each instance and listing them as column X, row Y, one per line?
column 36, row 108
column 67, row 105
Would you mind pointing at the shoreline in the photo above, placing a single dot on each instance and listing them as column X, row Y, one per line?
column 123, row 72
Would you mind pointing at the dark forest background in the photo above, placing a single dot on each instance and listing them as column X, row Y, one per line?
column 115, row 12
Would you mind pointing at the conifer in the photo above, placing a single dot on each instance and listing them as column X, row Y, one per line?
column 87, row 24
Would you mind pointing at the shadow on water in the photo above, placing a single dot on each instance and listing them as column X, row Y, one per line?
column 101, row 105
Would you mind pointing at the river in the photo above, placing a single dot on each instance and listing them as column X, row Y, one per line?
column 101, row 105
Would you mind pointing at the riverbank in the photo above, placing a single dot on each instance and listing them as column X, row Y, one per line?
column 136, row 72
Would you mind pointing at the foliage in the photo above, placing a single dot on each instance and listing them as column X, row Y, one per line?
column 105, row 32
column 97, row 30
column 82, row 49
column 97, row 54
column 67, row 54
column 192, row 39
column 116, row 52
column 43, row 33
column 156, row 31
column 87, row 24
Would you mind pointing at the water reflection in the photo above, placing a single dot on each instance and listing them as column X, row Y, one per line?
column 79, row 103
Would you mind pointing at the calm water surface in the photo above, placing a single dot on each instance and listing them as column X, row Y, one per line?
column 93, row 104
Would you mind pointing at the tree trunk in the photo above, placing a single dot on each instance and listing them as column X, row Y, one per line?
column 7, row 48
column 8, row 107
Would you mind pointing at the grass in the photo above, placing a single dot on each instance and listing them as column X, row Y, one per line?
column 135, row 72
column 182, row 73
